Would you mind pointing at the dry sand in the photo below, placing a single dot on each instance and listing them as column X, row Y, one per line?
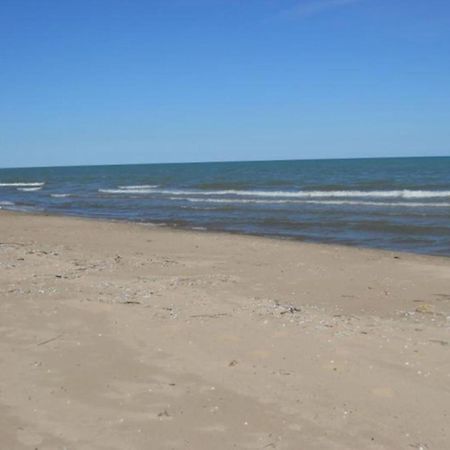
column 126, row 336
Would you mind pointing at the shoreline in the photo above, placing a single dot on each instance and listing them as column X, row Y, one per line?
column 116, row 335
column 174, row 227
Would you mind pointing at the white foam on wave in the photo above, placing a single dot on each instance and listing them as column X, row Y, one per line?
column 59, row 195
column 20, row 184
column 126, row 191
column 6, row 203
column 11, row 206
column 312, row 202
column 27, row 209
column 317, row 194
column 405, row 194
column 368, row 203
column 29, row 189
column 139, row 186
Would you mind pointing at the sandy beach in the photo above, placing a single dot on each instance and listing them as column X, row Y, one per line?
column 131, row 336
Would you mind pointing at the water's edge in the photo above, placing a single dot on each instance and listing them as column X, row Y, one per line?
column 183, row 229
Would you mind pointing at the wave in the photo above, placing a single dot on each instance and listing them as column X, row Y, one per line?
column 313, row 202
column 29, row 189
column 26, row 209
column 11, row 206
column 129, row 190
column 124, row 191
column 405, row 194
column 60, row 195
column 139, row 186
column 20, row 184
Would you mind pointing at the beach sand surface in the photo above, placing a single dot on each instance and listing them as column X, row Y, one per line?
column 131, row 336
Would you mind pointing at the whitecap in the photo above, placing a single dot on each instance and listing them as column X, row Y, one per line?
column 313, row 202
column 20, row 184
column 139, row 186
column 29, row 189
column 406, row 194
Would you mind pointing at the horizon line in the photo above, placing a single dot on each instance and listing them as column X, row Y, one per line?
column 220, row 162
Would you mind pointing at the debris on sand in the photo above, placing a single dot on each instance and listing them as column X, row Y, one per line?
column 425, row 308
column 163, row 415
column 285, row 309
column 49, row 340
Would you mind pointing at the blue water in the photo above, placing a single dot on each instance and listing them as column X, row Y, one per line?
column 397, row 204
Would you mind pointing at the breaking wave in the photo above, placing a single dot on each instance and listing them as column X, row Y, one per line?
column 23, row 185
column 405, row 194
column 29, row 189
column 313, row 202
column 139, row 186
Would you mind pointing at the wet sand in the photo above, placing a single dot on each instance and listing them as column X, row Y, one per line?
column 128, row 336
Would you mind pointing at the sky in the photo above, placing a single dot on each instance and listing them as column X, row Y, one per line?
column 142, row 81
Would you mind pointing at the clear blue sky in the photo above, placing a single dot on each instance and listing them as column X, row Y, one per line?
column 106, row 81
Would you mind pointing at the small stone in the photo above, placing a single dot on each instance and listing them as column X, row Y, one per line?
column 425, row 308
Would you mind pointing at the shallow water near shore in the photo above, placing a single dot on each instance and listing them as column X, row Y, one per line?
column 398, row 204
